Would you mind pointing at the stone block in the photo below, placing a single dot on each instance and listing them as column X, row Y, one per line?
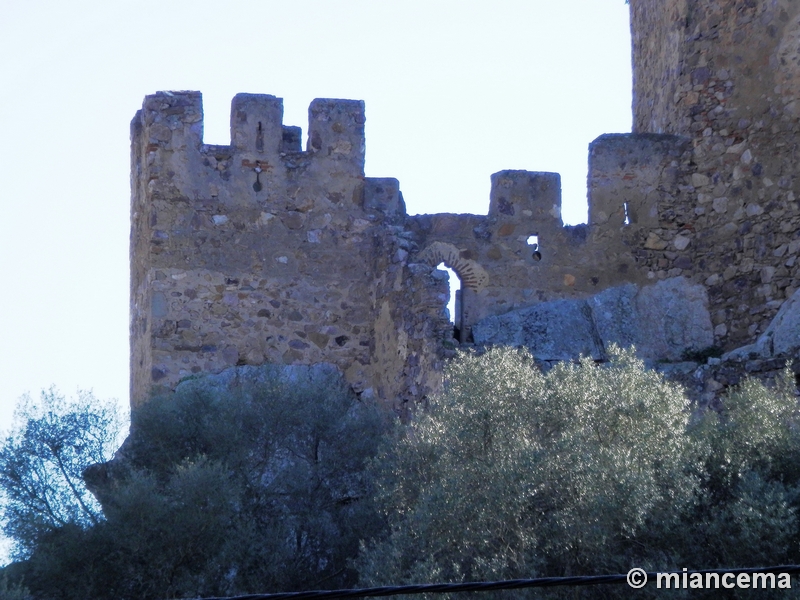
column 614, row 314
column 673, row 317
column 782, row 336
column 663, row 321
column 557, row 330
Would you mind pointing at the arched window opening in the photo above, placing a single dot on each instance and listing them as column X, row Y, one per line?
column 454, row 309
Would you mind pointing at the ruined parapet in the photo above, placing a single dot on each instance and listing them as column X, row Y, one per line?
column 520, row 253
column 636, row 193
column 634, row 177
column 259, row 252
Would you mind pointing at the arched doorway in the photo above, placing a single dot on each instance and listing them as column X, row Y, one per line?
column 454, row 306
column 471, row 275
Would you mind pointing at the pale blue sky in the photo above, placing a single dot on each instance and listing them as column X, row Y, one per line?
column 454, row 89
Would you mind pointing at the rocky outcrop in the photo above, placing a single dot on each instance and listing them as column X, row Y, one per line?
column 780, row 338
column 251, row 377
column 664, row 321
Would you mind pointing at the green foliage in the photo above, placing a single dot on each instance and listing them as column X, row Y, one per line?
column 513, row 472
column 223, row 489
column 269, row 482
column 751, row 478
column 586, row 469
column 41, row 462
column 756, row 430
column 291, row 454
column 12, row 592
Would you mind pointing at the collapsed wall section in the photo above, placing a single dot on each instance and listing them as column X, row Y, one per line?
column 521, row 254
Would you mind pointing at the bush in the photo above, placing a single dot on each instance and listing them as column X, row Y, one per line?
column 267, row 480
column 225, row 488
column 587, row 469
column 41, row 461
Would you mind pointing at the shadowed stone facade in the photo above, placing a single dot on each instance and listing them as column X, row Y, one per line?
column 261, row 252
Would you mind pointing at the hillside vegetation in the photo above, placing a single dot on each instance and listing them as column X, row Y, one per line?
column 509, row 473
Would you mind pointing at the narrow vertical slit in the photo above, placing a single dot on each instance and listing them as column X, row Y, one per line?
column 454, row 303
column 260, row 138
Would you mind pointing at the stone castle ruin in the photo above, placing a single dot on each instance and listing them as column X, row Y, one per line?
column 262, row 252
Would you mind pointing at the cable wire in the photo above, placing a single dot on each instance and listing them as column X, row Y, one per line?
column 513, row 584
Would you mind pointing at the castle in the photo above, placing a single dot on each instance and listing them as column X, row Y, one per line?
column 261, row 252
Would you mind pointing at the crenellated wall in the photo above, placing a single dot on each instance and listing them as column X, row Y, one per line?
column 260, row 251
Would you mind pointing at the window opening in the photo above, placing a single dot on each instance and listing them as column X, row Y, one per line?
column 454, row 309
column 260, row 138
column 627, row 216
column 533, row 245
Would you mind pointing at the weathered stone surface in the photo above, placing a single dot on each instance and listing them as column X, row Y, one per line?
column 614, row 314
column 784, row 330
column 664, row 321
column 780, row 338
column 259, row 251
column 249, row 377
column 725, row 77
column 672, row 317
column 557, row 330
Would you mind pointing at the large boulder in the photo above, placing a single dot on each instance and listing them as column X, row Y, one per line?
column 782, row 337
column 664, row 321
column 672, row 319
column 557, row 330
column 250, row 377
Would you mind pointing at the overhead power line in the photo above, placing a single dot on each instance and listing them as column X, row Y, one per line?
column 485, row 586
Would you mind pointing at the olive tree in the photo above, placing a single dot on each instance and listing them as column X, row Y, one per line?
column 585, row 469
column 52, row 441
column 513, row 472
column 249, row 484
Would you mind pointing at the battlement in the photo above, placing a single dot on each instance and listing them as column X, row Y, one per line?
column 174, row 120
column 262, row 148
column 259, row 251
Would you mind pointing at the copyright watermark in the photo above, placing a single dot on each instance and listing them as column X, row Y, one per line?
column 637, row 579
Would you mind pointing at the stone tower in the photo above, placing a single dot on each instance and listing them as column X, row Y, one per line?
column 259, row 252
column 725, row 76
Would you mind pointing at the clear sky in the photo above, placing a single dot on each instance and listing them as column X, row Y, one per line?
column 455, row 90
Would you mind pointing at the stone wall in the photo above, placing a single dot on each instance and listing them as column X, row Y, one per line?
column 260, row 252
column 725, row 76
